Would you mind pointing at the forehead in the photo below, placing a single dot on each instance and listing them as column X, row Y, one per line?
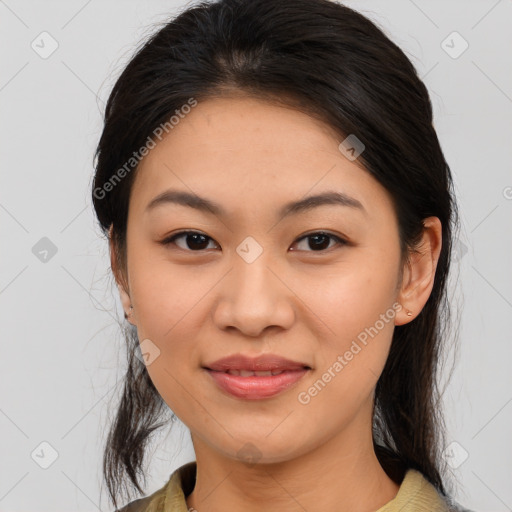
column 246, row 126
column 245, row 151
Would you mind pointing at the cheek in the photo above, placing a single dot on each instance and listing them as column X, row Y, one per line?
column 355, row 306
column 169, row 302
column 167, row 295
column 351, row 297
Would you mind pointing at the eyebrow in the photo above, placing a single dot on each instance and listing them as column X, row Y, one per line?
column 294, row 207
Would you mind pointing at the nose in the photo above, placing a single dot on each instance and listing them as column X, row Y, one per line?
column 254, row 297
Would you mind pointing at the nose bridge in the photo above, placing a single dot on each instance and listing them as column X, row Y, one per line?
column 251, row 275
column 253, row 298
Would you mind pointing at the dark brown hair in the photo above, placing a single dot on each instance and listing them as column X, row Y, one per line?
column 335, row 64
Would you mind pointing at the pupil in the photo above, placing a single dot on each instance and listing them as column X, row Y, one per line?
column 191, row 245
column 319, row 245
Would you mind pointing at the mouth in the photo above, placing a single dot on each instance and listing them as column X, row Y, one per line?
column 256, row 384
column 261, row 363
column 256, row 378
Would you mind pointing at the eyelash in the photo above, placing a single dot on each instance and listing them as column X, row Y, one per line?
column 170, row 240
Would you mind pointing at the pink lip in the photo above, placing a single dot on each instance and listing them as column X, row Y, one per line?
column 261, row 363
column 255, row 387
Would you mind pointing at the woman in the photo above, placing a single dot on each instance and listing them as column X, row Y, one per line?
column 280, row 217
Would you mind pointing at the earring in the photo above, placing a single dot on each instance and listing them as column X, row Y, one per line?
column 407, row 311
column 130, row 313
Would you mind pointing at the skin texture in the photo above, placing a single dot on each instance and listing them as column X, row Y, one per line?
column 252, row 157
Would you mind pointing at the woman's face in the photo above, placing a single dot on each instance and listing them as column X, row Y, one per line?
column 255, row 284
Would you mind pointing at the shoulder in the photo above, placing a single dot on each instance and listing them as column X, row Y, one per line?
column 139, row 505
column 169, row 497
column 417, row 494
column 154, row 502
column 446, row 502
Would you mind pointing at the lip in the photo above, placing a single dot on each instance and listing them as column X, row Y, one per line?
column 263, row 362
column 256, row 387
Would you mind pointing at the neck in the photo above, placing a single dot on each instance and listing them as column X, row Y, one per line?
column 341, row 475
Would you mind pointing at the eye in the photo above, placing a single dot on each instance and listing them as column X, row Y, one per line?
column 193, row 240
column 319, row 241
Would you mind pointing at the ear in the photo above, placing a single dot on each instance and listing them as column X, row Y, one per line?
column 419, row 273
column 122, row 285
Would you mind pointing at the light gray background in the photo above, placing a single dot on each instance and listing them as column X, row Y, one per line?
column 61, row 347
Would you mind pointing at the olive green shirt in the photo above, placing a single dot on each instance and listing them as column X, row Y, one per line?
column 415, row 494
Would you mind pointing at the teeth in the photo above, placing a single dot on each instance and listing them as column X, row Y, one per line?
column 248, row 373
